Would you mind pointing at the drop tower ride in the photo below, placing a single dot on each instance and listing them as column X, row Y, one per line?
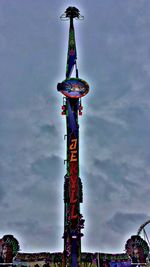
column 136, row 248
column 73, row 89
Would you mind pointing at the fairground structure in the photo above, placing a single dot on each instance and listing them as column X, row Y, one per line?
column 137, row 249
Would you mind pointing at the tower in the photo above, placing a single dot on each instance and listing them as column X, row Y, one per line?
column 73, row 89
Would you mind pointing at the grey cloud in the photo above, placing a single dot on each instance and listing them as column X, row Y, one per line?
column 126, row 222
column 103, row 189
column 111, row 235
column 46, row 167
column 37, row 234
column 49, row 130
column 116, row 172
column 2, row 194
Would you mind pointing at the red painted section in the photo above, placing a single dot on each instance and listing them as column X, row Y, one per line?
column 73, row 179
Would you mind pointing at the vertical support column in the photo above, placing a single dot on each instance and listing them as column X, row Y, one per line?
column 73, row 89
column 73, row 171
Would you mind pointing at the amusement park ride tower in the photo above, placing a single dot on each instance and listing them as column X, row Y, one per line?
column 72, row 89
column 136, row 248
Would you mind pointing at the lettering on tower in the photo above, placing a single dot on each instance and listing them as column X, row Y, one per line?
column 73, row 150
column 73, row 178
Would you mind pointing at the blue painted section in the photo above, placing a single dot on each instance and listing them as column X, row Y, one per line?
column 120, row 264
column 72, row 118
column 74, row 252
column 71, row 63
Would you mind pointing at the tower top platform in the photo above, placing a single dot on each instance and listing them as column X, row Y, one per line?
column 71, row 13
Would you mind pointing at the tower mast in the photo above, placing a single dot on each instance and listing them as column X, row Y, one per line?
column 72, row 89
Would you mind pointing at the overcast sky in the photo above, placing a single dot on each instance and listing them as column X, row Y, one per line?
column 113, row 47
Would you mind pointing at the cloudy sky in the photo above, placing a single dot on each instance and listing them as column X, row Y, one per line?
column 113, row 46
